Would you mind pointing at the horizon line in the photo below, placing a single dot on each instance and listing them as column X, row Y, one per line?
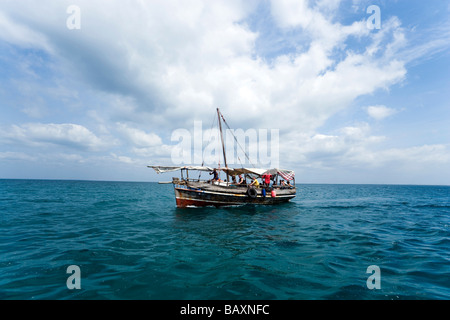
column 297, row 183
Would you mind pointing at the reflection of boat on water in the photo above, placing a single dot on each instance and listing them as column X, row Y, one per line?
column 275, row 188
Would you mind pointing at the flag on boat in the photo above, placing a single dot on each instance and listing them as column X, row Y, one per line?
column 287, row 174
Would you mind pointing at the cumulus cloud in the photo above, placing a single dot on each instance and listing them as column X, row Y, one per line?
column 67, row 135
column 380, row 112
column 357, row 154
column 426, row 154
column 350, row 145
column 146, row 68
column 21, row 35
column 179, row 61
column 138, row 137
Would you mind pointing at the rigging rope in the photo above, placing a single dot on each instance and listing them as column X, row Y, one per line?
column 235, row 139
column 209, row 139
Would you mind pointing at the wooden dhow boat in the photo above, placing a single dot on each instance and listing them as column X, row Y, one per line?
column 240, row 187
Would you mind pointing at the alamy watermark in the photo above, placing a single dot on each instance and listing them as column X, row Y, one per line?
column 374, row 21
column 73, row 22
column 73, row 281
column 259, row 147
column 374, row 281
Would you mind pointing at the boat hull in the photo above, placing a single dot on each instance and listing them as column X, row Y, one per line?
column 198, row 197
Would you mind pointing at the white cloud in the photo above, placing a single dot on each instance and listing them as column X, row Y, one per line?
column 168, row 63
column 380, row 112
column 179, row 61
column 123, row 159
column 361, row 154
column 67, row 135
column 21, row 35
column 15, row 156
column 138, row 137
column 293, row 13
column 350, row 145
column 426, row 154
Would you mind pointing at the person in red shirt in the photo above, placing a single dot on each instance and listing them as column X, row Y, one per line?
column 266, row 179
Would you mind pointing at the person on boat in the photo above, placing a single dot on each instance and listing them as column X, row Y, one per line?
column 283, row 184
column 241, row 179
column 266, row 179
column 255, row 183
column 216, row 175
column 274, row 184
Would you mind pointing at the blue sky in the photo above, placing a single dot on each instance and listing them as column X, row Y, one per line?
column 352, row 104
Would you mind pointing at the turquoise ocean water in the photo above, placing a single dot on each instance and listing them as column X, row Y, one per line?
column 131, row 242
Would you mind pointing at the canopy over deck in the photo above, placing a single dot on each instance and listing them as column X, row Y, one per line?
column 285, row 174
column 163, row 169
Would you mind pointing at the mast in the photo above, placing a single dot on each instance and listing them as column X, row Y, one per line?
column 223, row 145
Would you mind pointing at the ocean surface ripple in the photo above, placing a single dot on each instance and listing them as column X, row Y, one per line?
column 131, row 242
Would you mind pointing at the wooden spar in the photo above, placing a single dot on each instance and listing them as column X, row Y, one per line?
column 223, row 145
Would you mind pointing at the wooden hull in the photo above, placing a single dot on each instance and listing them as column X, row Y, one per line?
column 198, row 196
